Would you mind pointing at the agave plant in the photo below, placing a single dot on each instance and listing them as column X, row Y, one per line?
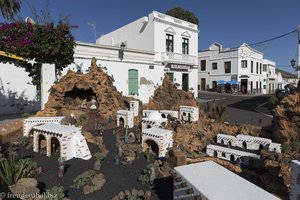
column 11, row 170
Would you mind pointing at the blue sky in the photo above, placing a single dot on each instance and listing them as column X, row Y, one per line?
column 229, row 22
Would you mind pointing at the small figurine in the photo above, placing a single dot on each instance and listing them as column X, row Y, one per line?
column 61, row 162
column 94, row 104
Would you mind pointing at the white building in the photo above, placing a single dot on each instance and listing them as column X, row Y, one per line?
column 189, row 113
column 159, row 140
column 232, row 155
column 295, row 180
column 30, row 122
column 210, row 181
column 153, row 119
column 134, row 107
column 174, row 43
column 248, row 142
column 125, row 118
column 243, row 64
column 288, row 78
column 67, row 139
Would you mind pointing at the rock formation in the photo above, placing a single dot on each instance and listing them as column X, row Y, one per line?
column 168, row 97
column 286, row 121
column 73, row 90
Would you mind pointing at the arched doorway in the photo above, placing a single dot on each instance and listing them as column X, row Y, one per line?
column 153, row 145
column 222, row 141
column 42, row 143
column 232, row 159
column 163, row 115
column 189, row 117
column 122, row 121
column 244, row 145
column 229, row 144
column 183, row 116
column 261, row 147
column 55, row 146
column 215, row 154
column 148, row 126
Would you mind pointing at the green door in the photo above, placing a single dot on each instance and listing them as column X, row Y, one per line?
column 133, row 85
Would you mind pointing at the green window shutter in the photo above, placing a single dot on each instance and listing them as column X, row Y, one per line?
column 133, row 84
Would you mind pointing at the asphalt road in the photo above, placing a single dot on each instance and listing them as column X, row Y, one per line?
column 240, row 109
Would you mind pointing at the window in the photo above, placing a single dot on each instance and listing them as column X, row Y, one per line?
column 214, row 66
column 169, row 43
column 265, row 86
column 185, row 46
column 203, row 65
column 227, row 66
column 260, row 68
column 264, row 68
column 244, row 63
column 251, row 66
column 171, row 76
column 256, row 67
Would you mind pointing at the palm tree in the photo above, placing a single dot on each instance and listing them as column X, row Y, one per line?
column 9, row 8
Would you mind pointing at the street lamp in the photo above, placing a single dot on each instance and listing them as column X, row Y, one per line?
column 121, row 51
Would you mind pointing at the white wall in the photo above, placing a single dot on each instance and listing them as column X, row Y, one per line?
column 136, row 35
column 17, row 94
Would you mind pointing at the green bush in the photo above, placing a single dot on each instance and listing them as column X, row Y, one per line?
column 215, row 112
column 273, row 100
column 54, row 193
column 82, row 119
column 295, row 145
column 286, row 148
column 11, row 170
column 25, row 115
column 83, row 178
column 98, row 156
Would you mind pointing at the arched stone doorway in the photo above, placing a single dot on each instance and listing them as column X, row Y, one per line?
column 215, row 154
column 122, row 121
column 261, row 147
column 244, row 145
column 229, row 144
column 222, row 141
column 232, row 159
column 163, row 115
column 189, row 117
column 42, row 143
column 153, row 145
column 55, row 146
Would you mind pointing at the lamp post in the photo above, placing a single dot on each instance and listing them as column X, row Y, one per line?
column 121, row 52
column 296, row 65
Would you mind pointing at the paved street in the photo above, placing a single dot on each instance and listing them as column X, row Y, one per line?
column 240, row 109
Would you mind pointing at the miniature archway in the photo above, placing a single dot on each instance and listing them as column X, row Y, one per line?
column 153, row 145
column 232, row 159
column 189, row 117
column 122, row 121
column 42, row 142
column 163, row 115
column 229, row 144
column 215, row 154
column 55, row 145
column 244, row 145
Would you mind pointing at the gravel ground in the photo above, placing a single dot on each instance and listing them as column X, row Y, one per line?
column 118, row 177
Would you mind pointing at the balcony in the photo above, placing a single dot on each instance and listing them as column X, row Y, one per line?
column 177, row 58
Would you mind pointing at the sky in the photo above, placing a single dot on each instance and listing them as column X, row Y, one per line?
column 229, row 22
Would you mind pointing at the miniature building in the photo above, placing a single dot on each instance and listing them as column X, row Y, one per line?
column 67, row 139
column 125, row 118
column 159, row 140
column 146, row 113
column 154, row 119
column 210, row 181
column 30, row 122
column 248, row 142
column 134, row 106
column 295, row 180
column 189, row 113
column 230, row 154
column 165, row 113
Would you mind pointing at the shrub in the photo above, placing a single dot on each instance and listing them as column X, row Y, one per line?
column 54, row 193
column 25, row 115
column 273, row 100
column 98, row 156
column 286, row 148
column 83, row 178
column 11, row 170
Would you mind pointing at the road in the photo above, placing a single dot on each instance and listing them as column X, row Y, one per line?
column 240, row 109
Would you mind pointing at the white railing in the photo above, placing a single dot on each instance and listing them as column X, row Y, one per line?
column 170, row 57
